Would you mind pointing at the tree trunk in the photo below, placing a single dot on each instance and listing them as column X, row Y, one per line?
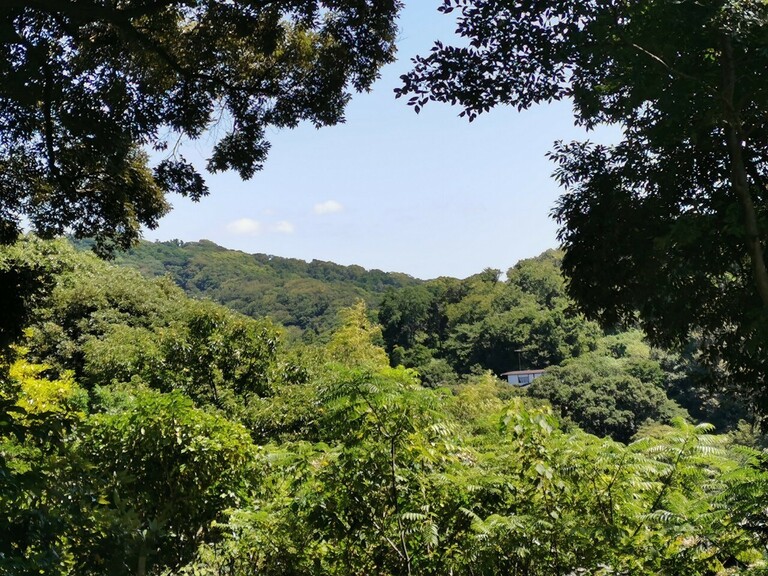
column 739, row 179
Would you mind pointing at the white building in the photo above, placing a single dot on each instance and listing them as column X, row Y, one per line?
column 523, row 377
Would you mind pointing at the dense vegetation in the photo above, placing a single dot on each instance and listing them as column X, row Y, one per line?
column 144, row 432
column 484, row 322
column 448, row 328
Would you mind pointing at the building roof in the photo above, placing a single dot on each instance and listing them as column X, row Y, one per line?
column 531, row 371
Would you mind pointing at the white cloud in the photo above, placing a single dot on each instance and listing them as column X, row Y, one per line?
column 328, row 207
column 251, row 227
column 284, row 227
column 245, row 227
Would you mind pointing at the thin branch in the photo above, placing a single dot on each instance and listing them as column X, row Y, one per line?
column 48, row 115
column 665, row 485
column 672, row 70
column 40, row 53
column 393, row 464
column 387, row 538
column 609, row 488
column 739, row 176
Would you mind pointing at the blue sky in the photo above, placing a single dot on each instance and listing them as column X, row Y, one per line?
column 429, row 195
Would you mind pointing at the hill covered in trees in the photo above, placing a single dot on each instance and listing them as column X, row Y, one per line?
column 302, row 296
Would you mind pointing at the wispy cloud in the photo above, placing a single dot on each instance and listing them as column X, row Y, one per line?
column 284, row 227
column 245, row 227
column 328, row 207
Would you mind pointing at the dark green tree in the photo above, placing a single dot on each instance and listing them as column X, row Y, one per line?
column 86, row 85
column 672, row 220
column 528, row 313
column 607, row 396
column 404, row 314
column 480, row 321
column 216, row 356
column 540, row 277
column 108, row 324
column 27, row 272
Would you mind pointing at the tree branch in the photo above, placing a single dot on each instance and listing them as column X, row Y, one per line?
column 40, row 53
column 393, row 464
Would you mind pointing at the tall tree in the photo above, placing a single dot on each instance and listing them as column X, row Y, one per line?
column 671, row 221
column 87, row 85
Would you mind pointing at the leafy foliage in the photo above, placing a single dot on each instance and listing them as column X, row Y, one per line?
column 445, row 328
column 109, row 325
column 150, row 466
column 483, row 322
column 27, row 270
column 37, row 422
column 164, row 472
column 607, row 396
column 405, row 491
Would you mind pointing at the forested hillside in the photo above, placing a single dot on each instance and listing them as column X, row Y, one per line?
column 144, row 432
column 297, row 294
column 449, row 328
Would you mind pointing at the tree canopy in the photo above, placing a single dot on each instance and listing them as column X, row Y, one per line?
column 671, row 221
column 86, row 87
